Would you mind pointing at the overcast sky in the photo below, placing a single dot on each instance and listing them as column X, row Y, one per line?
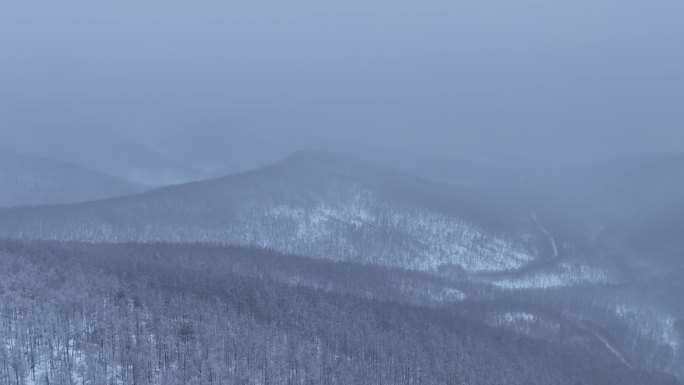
column 541, row 79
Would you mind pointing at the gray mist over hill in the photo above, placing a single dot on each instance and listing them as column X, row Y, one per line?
column 342, row 192
column 216, row 87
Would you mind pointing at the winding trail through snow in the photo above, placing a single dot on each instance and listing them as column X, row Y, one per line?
column 543, row 230
column 614, row 351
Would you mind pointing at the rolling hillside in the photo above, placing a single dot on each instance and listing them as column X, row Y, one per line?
column 311, row 204
column 490, row 252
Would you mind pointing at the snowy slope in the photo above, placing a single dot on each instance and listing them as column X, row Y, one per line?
column 311, row 204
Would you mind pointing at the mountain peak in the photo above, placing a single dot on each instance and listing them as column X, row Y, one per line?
column 319, row 158
column 330, row 163
column 316, row 164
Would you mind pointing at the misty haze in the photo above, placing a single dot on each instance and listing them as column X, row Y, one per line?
column 361, row 192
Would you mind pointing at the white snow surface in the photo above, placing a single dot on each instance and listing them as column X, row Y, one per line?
column 650, row 323
column 370, row 231
column 566, row 274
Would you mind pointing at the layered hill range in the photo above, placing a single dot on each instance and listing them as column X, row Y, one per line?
column 319, row 205
column 507, row 260
column 33, row 180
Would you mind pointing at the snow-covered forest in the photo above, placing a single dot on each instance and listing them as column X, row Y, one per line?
column 357, row 192
column 73, row 315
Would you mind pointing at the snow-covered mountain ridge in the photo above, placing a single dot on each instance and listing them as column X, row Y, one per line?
column 312, row 204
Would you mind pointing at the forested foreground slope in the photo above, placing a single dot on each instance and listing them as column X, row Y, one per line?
column 71, row 317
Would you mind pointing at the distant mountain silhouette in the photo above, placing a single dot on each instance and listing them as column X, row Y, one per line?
column 32, row 180
column 648, row 206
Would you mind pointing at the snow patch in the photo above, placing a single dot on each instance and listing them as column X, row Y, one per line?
column 565, row 275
